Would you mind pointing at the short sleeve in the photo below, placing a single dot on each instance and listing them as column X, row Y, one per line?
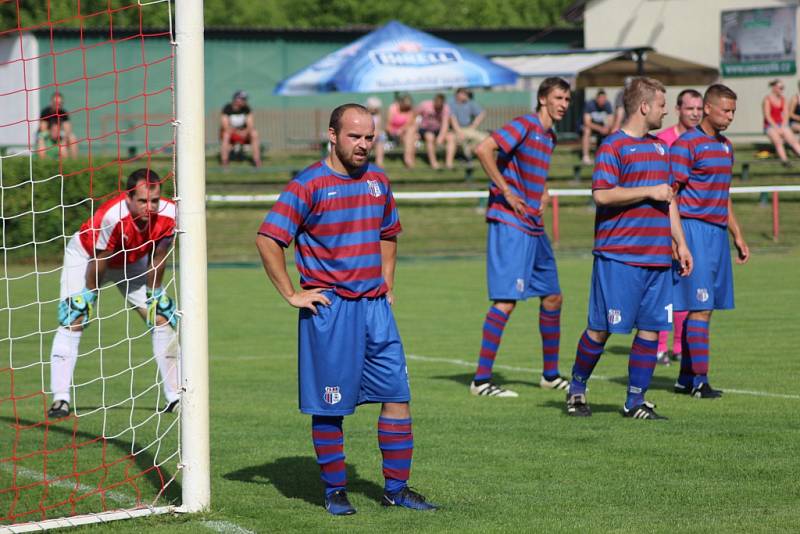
column 606, row 167
column 476, row 109
column 680, row 161
column 511, row 135
column 390, row 225
column 287, row 215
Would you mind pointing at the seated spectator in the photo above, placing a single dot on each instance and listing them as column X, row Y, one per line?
column 794, row 111
column 374, row 106
column 776, row 122
column 433, row 126
column 466, row 116
column 55, row 129
column 237, row 128
column 619, row 106
column 401, row 126
column 597, row 123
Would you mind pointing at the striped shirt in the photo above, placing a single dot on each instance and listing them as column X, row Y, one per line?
column 523, row 160
column 337, row 222
column 702, row 164
column 636, row 234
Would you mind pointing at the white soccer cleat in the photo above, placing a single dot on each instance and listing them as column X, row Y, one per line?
column 558, row 383
column 487, row 389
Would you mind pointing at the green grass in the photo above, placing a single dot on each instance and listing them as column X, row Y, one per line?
column 493, row 464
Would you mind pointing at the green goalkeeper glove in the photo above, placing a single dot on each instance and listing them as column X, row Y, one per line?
column 159, row 303
column 75, row 307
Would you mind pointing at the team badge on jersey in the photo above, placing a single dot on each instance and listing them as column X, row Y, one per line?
column 725, row 148
column 374, row 188
column 660, row 149
column 614, row 316
column 332, row 395
column 702, row 294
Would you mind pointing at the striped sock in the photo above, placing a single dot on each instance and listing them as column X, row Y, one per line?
column 329, row 446
column 641, row 364
column 492, row 331
column 696, row 345
column 396, row 442
column 678, row 318
column 586, row 357
column 686, row 376
column 550, row 329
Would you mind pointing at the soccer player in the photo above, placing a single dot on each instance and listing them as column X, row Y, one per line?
column 342, row 216
column 701, row 162
column 690, row 112
column 635, row 227
column 125, row 242
column 519, row 260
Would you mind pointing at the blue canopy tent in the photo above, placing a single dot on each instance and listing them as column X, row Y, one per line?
column 396, row 58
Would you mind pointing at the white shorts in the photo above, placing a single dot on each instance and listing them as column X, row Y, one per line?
column 129, row 280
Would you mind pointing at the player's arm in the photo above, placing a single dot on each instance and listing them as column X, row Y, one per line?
column 478, row 119
column 682, row 253
column 743, row 251
column 274, row 260
column 388, row 262
column 445, row 127
column 76, row 310
column 161, row 308
column 96, row 269
column 624, row 196
column 487, row 155
column 158, row 262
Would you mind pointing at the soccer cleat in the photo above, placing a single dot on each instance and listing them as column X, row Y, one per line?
column 172, row 406
column 487, row 389
column 646, row 410
column 577, row 407
column 680, row 389
column 705, row 391
column 559, row 382
column 337, row 503
column 58, row 409
column 407, row 498
column 664, row 359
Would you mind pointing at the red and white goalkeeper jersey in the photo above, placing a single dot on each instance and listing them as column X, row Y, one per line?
column 112, row 228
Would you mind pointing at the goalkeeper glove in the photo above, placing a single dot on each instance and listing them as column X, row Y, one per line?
column 73, row 308
column 159, row 303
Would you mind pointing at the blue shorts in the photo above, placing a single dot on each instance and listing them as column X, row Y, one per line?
column 519, row 265
column 710, row 286
column 349, row 354
column 624, row 297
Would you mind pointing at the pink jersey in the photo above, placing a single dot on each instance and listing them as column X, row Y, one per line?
column 670, row 135
column 112, row 228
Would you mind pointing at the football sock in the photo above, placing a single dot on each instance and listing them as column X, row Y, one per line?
column 550, row 329
column 492, row 331
column 695, row 345
column 641, row 364
column 586, row 358
column 63, row 356
column 165, row 349
column 663, row 338
column 396, row 442
column 678, row 318
column 328, row 438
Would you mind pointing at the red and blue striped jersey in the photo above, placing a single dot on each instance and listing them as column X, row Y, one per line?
column 523, row 160
column 640, row 233
column 702, row 164
column 337, row 222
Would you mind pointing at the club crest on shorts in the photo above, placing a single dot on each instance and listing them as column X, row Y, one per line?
column 520, row 285
column 614, row 316
column 374, row 188
column 660, row 149
column 332, row 394
column 702, row 294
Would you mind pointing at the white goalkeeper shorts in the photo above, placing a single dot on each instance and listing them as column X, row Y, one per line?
column 130, row 280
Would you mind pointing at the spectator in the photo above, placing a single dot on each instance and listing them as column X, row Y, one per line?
column 619, row 107
column 794, row 111
column 597, row 121
column 55, row 129
column 466, row 116
column 237, row 128
column 776, row 122
column 374, row 106
column 401, row 126
column 433, row 126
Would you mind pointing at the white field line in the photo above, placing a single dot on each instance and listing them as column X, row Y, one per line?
column 463, row 363
column 31, row 474
column 226, row 527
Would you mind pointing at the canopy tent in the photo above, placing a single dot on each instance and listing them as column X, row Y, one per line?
column 607, row 67
column 396, row 58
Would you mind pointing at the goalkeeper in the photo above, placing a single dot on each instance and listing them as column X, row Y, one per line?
column 126, row 242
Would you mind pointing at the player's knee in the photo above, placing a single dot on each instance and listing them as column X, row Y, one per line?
column 598, row 336
column 161, row 321
column 552, row 302
column 505, row 306
column 700, row 315
column 647, row 335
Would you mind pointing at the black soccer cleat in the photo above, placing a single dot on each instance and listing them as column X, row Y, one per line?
column 680, row 389
column 645, row 410
column 407, row 498
column 705, row 391
column 577, row 407
column 172, row 406
column 337, row 503
column 58, row 409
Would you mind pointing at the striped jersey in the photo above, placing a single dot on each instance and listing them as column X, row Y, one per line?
column 640, row 233
column 523, row 160
column 113, row 228
column 702, row 164
column 337, row 222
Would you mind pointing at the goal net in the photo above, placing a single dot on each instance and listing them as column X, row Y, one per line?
column 86, row 98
